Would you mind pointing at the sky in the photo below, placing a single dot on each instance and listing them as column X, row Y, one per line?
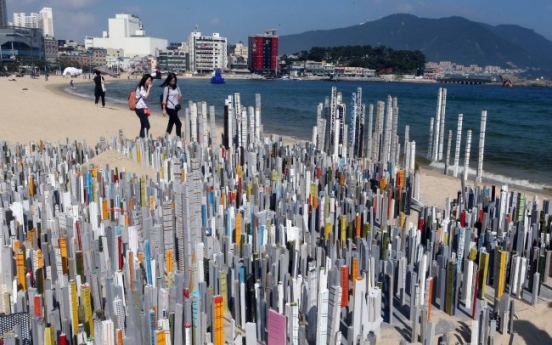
column 237, row 19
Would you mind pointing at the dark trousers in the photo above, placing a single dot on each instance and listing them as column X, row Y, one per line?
column 99, row 94
column 174, row 120
column 144, row 122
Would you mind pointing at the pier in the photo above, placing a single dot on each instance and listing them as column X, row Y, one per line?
column 470, row 80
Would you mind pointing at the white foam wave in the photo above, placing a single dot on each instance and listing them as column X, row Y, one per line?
column 492, row 177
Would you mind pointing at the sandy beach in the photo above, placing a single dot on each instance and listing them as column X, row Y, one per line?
column 35, row 110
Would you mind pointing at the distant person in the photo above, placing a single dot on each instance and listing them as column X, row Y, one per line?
column 171, row 103
column 142, row 108
column 99, row 88
column 46, row 76
column 72, row 85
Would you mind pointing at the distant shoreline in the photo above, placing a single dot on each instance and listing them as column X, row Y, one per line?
column 256, row 77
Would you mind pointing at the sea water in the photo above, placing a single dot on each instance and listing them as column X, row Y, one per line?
column 518, row 149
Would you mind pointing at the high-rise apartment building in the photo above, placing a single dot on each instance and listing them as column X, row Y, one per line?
column 25, row 21
column 43, row 20
column 46, row 21
column 263, row 53
column 3, row 13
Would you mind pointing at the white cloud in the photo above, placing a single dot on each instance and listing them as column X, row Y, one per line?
column 215, row 21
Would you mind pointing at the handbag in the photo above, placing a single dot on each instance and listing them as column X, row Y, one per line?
column 177, row 107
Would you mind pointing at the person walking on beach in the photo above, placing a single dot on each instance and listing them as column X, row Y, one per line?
column 99, row 88
column 171, row 103
column 142, row 109
column 72, row 85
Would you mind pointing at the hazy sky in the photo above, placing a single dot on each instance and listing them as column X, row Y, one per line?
column 237, row 19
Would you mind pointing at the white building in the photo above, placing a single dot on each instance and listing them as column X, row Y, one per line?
column 43, row 20
column 26, row 21
column 126, row 32
column 207, row 53
column 46, row 21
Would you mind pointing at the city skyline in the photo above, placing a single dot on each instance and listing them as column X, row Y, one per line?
column 75, row 19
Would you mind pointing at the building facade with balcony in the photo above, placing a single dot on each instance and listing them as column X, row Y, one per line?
column 207, row 53
column 50, row 49
column 177, row 61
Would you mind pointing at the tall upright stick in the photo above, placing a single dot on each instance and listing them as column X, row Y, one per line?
column 430, row 147
column 394, row 138
column 386, row 148
column 458, row 141
column 481, row 146
column 412, row 156
column 447, row 161
column 370, row 134
column 405, row 147
column 442, row 130
column 434, row 153
column 467, row 156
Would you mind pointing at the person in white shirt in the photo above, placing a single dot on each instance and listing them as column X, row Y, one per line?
column 142, row 109
column 171, row 103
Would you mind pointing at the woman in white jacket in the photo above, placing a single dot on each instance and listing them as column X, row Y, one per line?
column 142, row 109
column 171, row 103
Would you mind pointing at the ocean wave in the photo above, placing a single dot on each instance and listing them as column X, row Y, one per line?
column 494, row 178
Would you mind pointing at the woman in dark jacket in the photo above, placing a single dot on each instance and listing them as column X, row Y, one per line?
column 99, row 89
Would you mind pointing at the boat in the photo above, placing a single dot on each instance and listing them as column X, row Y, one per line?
column 217, row 77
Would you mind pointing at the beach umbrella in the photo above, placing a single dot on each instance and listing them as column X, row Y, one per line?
column 103, row 70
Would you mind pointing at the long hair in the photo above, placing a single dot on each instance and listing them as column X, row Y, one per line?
column 142, row 82
column 167, row 81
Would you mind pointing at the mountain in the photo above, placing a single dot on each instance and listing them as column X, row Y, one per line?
column 453, row 39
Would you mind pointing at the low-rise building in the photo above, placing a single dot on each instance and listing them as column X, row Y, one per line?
column 18, row 42
column 50, row 49
column 126, row 32
column 177, row 61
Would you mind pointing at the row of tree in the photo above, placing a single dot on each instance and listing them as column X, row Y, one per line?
column 378, row 58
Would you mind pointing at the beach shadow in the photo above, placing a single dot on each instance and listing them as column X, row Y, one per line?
column 530, row 333
column 462, row 308
column 405, row 325
column 404, row 333
column 404, row 310
column 464, row 332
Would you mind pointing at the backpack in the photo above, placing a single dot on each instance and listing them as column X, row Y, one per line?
column 132, row 100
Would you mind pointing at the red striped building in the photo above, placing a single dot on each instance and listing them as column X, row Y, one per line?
column 263, row 53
